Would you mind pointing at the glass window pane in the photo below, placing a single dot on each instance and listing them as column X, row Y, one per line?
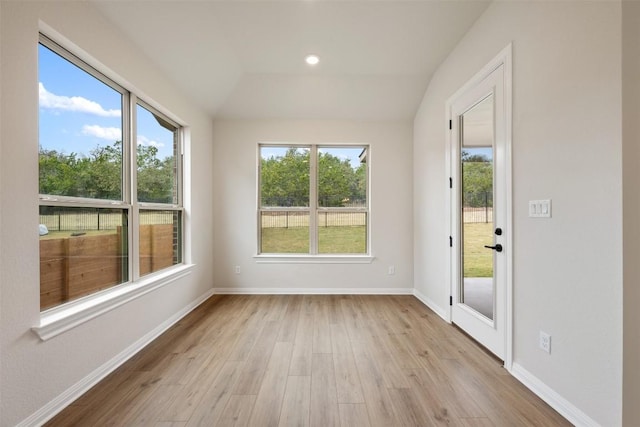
column 157, row 148
column 82, row 251
column 284, row 176
column 284, row 232
column 160, row 240
column 477, row 228
column 342, row 177
column 80, row 125
column 342, row 232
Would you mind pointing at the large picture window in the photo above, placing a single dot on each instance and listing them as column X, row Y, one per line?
column 110, row 174
column 313, row 199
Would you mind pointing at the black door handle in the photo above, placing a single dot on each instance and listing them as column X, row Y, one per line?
column 497, row 248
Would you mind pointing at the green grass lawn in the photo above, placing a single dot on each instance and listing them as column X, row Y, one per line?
column 478, row 260
column 331, row 240
column 342, row 240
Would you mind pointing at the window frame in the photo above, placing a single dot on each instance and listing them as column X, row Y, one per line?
column 314, row 210
column 126, row 134
column 137, row 206
column 69, row 314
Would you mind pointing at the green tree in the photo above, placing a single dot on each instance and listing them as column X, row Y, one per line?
column 359, row 184
column 58, row 173
column 99, row 175
column 155, row 177
column 336, row 180
column 477, row 180
column 102, row 171
column 284, row 180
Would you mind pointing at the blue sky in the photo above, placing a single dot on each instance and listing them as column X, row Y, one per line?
column 485, row 151
column 79, row 113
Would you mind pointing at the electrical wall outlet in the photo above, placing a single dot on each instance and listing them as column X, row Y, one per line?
column 392, row 270
column 237, row 269
column 545, row 342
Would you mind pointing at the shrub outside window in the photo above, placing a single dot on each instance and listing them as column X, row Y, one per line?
column 110, row 169
column 313, row 199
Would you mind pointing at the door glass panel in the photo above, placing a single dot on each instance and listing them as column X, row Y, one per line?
column 477, row 227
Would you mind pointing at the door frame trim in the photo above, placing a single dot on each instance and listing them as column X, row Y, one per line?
column 503, row 58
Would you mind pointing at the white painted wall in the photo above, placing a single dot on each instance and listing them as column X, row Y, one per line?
column 235, row 199
column 32, row 373
column 1, row 198
column 566, row 147
column 631, row 195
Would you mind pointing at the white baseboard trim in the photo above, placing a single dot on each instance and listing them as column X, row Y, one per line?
column 546, row 393
column 552, row 398
column 56, row 405
column 432, row 305
column 313, row 291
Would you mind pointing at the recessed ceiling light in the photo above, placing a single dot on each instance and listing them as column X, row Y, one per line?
column 312, row 59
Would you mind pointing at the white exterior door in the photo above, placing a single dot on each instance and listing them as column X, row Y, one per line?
column 480, row 209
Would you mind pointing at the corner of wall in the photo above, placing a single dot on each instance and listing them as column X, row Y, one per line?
column 631, row 211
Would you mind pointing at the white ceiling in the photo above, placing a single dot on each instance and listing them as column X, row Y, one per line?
column 245, row 59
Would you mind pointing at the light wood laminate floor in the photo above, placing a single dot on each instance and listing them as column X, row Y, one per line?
column 312, row 360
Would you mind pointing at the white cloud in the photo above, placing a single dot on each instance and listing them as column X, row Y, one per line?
column 143, row 140
column 115, row 134
column 112, row 134
column 73, row 103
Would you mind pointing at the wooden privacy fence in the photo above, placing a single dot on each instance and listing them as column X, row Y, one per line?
column 156, row 247
column 72, row 267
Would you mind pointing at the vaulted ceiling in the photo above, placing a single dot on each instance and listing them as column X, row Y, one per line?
column 245, row 59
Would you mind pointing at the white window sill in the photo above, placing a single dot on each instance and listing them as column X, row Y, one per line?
column 58, row 320
column 313, row 259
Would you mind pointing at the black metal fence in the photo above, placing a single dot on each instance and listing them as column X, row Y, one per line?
column 290, row 219
column 90, row 219
column 477, row 207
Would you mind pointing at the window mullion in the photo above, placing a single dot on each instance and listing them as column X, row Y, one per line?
column 313, row 200
column 132, row 187
column 179, row 153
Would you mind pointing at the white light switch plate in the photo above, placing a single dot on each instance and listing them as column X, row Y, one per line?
column 540, row 208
